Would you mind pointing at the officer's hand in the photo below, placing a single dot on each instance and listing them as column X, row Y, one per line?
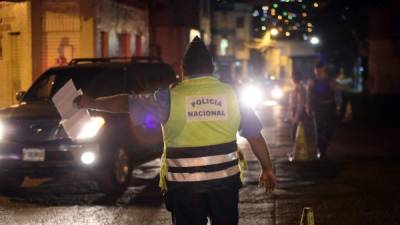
column 268, row 180
column 83, row 101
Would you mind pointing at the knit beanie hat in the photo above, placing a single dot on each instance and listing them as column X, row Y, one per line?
column 197, row 58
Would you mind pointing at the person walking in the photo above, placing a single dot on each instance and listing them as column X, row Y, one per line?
column 200, row 116
column 303, row 127
column 322, row 92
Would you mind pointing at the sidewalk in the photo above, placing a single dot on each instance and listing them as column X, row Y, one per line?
column 359, row 185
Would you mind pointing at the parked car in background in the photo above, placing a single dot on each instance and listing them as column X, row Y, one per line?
column 33, row 143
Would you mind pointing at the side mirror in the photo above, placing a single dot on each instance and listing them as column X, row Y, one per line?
column 20, row 95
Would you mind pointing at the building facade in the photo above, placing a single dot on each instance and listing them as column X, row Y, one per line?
column 294, row 57
column 174, row 24
column 231, row 36
column 38, row 34
column 282, row 58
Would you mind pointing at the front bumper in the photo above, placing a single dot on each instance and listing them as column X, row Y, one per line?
column 59, row 158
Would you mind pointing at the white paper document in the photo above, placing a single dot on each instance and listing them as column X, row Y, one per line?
column 72, row 118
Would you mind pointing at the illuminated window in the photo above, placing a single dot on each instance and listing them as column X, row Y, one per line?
column 224, row 46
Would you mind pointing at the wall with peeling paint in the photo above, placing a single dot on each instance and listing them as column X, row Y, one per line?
column 15, row 56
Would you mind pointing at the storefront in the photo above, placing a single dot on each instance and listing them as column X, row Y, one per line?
column 38, row 34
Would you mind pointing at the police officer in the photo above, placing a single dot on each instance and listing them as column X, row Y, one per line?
column 200, row 116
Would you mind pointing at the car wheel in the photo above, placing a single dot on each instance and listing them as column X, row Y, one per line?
column 116, row 175
column 10, row 183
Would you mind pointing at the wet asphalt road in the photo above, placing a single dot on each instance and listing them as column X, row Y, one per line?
column 341, row 192
column 75, row 199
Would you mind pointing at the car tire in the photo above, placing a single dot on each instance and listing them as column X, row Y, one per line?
column 10, row 183
column 115, row 175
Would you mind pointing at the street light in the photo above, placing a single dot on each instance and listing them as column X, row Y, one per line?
column 274, row 32
column 314, row 40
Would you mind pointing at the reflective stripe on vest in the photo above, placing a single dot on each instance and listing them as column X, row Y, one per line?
column 203, row 176
column 202, row 161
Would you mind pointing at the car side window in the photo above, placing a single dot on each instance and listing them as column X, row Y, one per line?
column 109, row 82
column 45, row 87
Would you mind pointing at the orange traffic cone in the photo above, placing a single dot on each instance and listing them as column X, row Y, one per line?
column 307, row 217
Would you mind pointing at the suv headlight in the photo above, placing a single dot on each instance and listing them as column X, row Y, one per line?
column 90, row 129
column 251, row 96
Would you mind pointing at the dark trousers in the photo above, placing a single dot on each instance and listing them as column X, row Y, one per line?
column 221, row 206
column 326, row 121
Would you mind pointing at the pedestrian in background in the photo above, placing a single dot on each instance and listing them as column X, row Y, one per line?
column 303, row 127
column 200, row 117
column 322, row 97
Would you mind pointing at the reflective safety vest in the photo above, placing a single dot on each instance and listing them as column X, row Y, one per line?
column 200, row 135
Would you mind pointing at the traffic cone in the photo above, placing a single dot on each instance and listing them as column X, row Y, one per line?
column 307, row 217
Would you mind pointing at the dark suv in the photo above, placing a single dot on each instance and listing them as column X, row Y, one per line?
column 33, row 143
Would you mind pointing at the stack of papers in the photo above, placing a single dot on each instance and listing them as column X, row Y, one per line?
column 72, row 118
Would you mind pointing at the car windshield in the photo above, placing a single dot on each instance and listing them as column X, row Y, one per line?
column 93, row 82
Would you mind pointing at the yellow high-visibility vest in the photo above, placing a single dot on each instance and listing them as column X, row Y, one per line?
column 200, row 134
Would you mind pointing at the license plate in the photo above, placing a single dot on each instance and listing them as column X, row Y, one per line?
column 33, row 154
